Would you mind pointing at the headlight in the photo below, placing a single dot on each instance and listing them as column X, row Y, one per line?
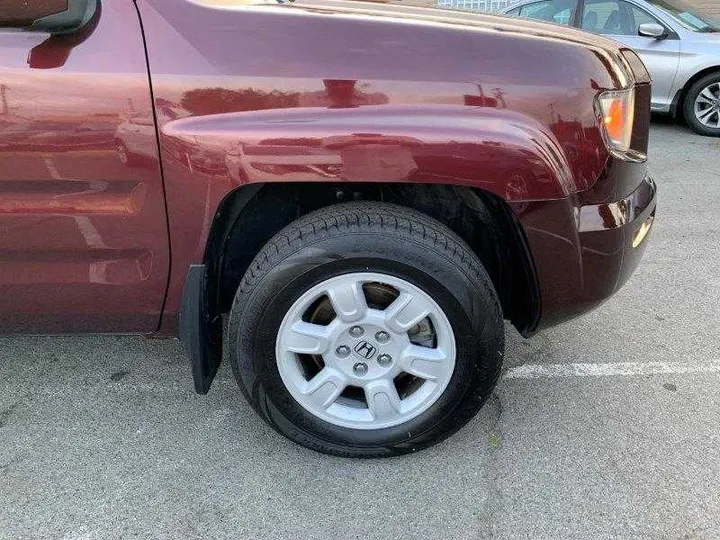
column 617, row 113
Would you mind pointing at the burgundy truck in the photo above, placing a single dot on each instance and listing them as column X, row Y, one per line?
column 348, row 200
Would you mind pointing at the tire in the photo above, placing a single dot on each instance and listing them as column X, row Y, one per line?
column 709, row 108
column 412, row 252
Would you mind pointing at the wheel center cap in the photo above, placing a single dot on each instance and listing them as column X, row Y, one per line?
column 365, row 350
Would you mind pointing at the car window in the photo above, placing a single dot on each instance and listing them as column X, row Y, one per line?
column 687, row 16
column 557, row 11
column 614, row 17
column 514, row 12
column 640, row 16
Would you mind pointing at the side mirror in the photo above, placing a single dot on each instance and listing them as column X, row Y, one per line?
column 652, row 30
column 52, row 16
column 55, row 50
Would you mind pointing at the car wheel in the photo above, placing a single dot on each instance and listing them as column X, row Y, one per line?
column 366, row 330
column 702, row 106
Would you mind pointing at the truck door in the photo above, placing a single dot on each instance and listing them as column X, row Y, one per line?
column 83, row 230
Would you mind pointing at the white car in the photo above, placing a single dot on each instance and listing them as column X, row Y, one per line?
column 134, row 138
column 680, row 47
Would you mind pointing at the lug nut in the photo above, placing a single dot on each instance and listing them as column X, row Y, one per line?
column 356, row 331
column 384, row 360
column 342, row 350
column 360, row 369
column 382, row 337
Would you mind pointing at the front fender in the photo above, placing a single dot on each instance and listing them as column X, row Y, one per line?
column 206, row 157
column 498, row 150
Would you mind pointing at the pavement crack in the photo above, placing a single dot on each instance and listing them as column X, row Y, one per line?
column 495, row 442
column 6, row 413
column 4, row 467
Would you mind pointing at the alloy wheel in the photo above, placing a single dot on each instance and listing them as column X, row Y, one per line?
column 365, row 351
column 707, row 106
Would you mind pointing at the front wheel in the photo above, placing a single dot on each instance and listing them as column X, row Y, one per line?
column 366, row 330
column 702, row 106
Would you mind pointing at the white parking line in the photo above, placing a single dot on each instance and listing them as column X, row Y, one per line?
column 622, row 369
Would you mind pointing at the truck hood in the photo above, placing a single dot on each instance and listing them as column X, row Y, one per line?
column 456, row 19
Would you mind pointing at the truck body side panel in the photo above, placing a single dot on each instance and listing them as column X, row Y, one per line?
column 283, row 93
column 83, row 229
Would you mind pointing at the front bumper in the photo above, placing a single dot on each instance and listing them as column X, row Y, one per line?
column 584, row 253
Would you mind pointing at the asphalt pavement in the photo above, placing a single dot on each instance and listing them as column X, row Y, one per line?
column 606, row 427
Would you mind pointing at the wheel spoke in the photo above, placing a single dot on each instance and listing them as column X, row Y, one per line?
column 705, row 99
column 705, row 115
column 348, row 300
column 424, row 362
column 405, row 312
column 707, row 96
column 306, row 338
column 382, row 399
column 325, row 387
column 705, row 112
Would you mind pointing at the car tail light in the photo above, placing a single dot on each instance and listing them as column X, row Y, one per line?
column 617, row 113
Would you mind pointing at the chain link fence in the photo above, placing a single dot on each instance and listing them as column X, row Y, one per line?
column 476, row 5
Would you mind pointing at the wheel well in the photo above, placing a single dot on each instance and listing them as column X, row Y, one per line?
column 250, row 216
column 677, row 105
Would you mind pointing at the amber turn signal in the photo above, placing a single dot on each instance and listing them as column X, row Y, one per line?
column 617, row 111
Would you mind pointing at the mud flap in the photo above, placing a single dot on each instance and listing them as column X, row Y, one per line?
column 200, row 333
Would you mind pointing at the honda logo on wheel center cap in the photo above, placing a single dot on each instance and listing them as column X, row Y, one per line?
column 364, row 350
